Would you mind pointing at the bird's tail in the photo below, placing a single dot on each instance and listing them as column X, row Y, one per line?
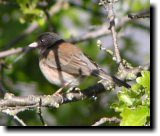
column 120, row 82
column 103, row 75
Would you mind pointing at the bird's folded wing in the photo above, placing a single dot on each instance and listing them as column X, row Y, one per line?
column 71, row 62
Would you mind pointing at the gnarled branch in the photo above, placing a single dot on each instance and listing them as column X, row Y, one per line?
column 14, row 104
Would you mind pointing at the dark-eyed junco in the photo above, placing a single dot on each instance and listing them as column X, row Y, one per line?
column 63, row 63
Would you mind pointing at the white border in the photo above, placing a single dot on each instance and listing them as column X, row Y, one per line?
column 113, row 132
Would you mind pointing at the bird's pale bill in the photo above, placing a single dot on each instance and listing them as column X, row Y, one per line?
column 33, row 45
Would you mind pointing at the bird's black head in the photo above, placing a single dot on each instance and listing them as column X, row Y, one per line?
column 46, row 40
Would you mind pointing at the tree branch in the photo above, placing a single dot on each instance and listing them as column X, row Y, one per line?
column 101, row 31
column 125, row 71
column 89, row 35
column 14, row 104
column 6, row 53
column 106, row 119
column 111, row 16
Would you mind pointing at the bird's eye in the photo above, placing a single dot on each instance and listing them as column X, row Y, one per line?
column 42, row 41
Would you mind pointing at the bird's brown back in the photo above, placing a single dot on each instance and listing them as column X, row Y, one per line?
column 70, row 60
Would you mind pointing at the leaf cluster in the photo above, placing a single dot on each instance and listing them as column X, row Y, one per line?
column 134, row 104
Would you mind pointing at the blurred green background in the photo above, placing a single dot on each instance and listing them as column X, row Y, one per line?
column 72, row 19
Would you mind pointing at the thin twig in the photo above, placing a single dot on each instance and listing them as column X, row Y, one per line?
column 134, row 16
column 99, row 44
column 20, row 121
column 111, row 16
column 99, row 32
column 4, row 54
column 105, row 119
column 141, row 14
column 2, row 89
column 40, row 112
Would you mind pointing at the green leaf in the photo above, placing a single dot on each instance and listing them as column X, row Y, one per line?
column 30, row 12
column 124, row 97
column 134, row 117
column 134, row 103
column 144, row 80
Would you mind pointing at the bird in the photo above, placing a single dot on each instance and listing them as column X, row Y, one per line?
column 64, row 64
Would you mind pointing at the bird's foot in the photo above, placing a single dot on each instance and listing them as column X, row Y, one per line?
column 59, row 91
column 73, row 89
